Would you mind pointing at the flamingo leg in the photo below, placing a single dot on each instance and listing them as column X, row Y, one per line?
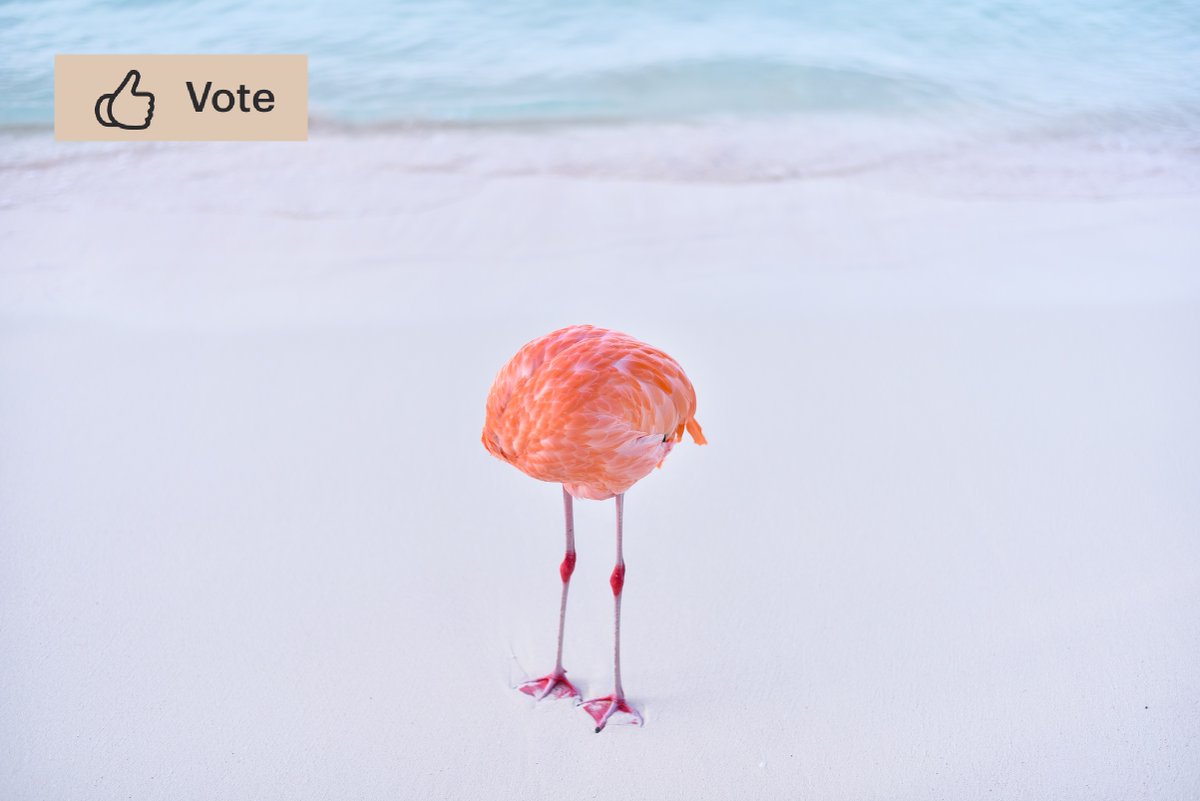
column 555, row 685
column 613, row 708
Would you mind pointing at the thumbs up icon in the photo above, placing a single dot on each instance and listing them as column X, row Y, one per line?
column 126, row 108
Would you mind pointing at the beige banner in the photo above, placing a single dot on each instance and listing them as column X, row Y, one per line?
column 142, row 98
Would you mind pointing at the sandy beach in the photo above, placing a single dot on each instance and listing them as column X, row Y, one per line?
column 942, row 544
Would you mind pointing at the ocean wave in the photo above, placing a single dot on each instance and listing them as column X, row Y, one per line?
column 1077, row 157
column 529, row 61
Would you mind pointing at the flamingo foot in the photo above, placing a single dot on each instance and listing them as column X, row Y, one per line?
column 610, row 709
column 552, row 686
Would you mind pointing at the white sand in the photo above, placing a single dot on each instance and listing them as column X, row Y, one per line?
column 943, row 545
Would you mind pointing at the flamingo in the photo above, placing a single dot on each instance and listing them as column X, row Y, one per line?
column 595, row 411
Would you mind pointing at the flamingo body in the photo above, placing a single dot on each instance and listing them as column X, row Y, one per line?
column 594, row 410
column 591, row 409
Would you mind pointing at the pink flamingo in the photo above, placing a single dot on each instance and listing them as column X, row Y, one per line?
column 595, row 411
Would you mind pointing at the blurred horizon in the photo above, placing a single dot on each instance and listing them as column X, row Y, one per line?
column 1065, row 97
column 1110, row 64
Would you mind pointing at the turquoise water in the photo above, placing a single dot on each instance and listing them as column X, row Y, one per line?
column 474, row 62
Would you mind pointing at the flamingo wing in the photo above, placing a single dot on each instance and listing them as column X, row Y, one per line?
column 592, row 409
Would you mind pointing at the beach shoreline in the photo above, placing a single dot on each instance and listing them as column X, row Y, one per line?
column 385, row 227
